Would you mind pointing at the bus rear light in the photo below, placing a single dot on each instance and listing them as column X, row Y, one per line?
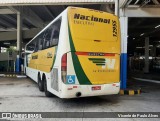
column 64, row 67
column 113, row 84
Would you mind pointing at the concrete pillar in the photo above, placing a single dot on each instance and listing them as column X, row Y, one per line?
column 154, row 51
column 19, row 34
column 146, row 67
column 19, row 41
column 124, row 37
column 116, row 7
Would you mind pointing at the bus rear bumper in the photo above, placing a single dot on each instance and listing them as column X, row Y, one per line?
column 74, row 91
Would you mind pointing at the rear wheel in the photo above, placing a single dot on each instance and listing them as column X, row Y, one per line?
column 47, row 93
column 40, row 83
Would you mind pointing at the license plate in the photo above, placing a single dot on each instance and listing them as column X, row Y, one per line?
column 96, row 88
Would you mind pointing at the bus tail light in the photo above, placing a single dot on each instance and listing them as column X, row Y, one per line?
column 64, row 67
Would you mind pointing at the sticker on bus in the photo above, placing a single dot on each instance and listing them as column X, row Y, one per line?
column 96, row 88
column 70, row 79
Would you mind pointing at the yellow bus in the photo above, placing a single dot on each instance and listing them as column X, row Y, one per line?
column 76, row 55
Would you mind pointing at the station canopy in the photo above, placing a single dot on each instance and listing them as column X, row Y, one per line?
column 36, row 15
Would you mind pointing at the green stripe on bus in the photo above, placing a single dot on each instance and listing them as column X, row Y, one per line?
column 81, row 76
column 98, row 59
column 100, row 64
column 55, row 53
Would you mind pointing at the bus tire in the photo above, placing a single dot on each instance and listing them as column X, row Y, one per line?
column 47, row 93
column 40, row 83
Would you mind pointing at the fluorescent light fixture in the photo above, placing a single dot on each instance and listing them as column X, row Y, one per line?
column 133, row 6
column 139, row 47
column 157, row 26
column 158, row 46
column 6, row 43
column 142, row 57
column 142, row 34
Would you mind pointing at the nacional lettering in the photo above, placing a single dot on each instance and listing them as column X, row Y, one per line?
column 91, row 18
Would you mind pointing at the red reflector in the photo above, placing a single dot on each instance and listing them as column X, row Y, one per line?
column 69, row 88
column 96, row 88
column 64, row 67
column 113, row 84
column 64, row 64
column 109, row 54
column 64, row 58
column 74, row 86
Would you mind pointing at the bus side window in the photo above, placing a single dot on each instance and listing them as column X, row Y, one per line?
column 40, row 42
column 45, row 44
column 46, row 38
column 36, row 45
column 30, row 47
column 55, row 33
column 55, row 38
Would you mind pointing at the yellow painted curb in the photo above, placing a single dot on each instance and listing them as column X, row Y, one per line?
column 130, row 91
column 10, row 75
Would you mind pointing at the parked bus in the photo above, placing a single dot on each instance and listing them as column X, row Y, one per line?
column 76, row 55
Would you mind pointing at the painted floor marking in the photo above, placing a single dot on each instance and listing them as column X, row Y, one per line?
column 148, row 80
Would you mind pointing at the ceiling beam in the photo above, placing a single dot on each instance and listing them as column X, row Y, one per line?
column 49, row 12
column 52, row 2
column 3, row 27
column 156, row 2
column 27, row 34
column 122, row 3
column 14, row 20
column 128, row 2
column 6, row 11
column 29, row 15
column 136, row 2
column 145, row 2
column 142, row 27
column 6, row 23
column 152, row 32
column 7, row 29
column 140, row 12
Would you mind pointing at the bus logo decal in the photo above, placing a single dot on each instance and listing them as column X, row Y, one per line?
column 70, row 79
column 91, row 18
column 49, row 55
column 34, row 56
column 110, row 63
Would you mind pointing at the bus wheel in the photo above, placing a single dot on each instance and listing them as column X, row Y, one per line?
column 47, row 93
column 40, row 83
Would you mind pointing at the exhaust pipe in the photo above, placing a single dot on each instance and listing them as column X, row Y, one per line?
column 78, row 94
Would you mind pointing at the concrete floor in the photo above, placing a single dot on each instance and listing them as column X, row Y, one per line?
column 23, row 95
